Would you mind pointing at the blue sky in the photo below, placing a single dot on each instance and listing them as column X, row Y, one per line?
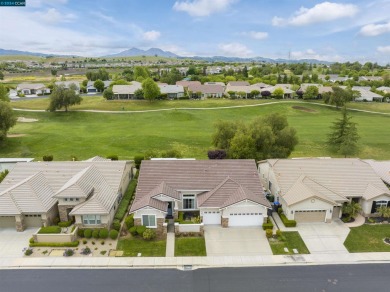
column 328, row 30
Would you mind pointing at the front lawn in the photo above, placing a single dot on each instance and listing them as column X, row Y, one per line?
column 368, row 238
column 132, row 246
column 293, row 241
column 190, row 246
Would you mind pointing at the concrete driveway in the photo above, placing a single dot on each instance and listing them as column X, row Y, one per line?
column 13, row 242
column 323, row 238
column 236, row 241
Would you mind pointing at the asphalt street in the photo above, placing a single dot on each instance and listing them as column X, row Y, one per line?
column 358, row 277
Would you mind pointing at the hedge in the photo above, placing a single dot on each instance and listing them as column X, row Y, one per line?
column 55, row 244
column 88, row 233
column 287, row 222
column 95, row 233
column 103, row 233
column 129, row 221
column 116, row 224
column 64, row 223
column 268, row 225
column 49, row 230
column 124, row 204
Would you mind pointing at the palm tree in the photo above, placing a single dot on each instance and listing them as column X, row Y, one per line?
column 352, row 209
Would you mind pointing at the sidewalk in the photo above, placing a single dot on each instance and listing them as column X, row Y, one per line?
column 193, row 262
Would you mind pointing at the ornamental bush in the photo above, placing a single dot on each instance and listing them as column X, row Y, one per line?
column 113, row 234
column 95, row 233
column 88, row 233
column 149, row 234
column 287, row 222
column 133, row 230
column 129, row 221
column 103, row 233
column 80, row 232
column 140, row 230
column 86, row 251
column 65, row 223
column 68, row 252
column 268, row 233
column 116, row 224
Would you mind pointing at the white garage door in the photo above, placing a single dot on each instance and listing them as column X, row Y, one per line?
column 310, row 216
column 211, row 217
column 32, row 220
column 7, row 221
column 245, row 219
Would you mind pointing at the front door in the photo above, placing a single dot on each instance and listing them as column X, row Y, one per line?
column 170, row 207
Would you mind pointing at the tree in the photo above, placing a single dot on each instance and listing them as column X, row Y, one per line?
column 1, row 75
column 141, row 72
column 3, row 93
column 242, row 145
column 278, row 92
column 352, row 209
column 63, row 98
column 150, row 89
column 7, row 119
column 265, row 93
column 343, row 138
column 255, row 93
column 139, row 94
column 224, row 133
column 3, row 174
column 339, row 97
column 54, row 72
column 216, row 154
column 311, row 92
column 108, row 94
column 172, row 76
column 245, row 72
column 99, row 85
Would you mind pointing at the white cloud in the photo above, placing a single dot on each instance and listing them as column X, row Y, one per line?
column 42, row 3
column 322, row 12
column 151, row 35
column 257, row 35
column 176, row 50
column 375, row 29
column 104, row 17
column 384, row 50
column 311, row 54
column 234, row 50
column 201, row 8
column 53, row 16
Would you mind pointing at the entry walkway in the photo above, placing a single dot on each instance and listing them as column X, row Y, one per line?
column 170, row 248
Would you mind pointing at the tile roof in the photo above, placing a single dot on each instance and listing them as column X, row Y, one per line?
column 382, row 168
column 206, row 89
column 31, row 86
column 170, row 88
column 238, row 83
column 186, row 83
column 211, row 177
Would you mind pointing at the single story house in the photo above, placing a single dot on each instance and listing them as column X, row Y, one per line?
column 315, row 189
column 9, row 163
column 206, row 91
column 385, row 89
column 222, row 192
column 367, row 94
column 238, row 83
column 186, row 83
column 172, row 91
column 370, row 78
column 33, row 89
column 91, row 88
column 287, row 92
column 126, row 91
column 88, row 192
column 247, row 89
column 69, row 84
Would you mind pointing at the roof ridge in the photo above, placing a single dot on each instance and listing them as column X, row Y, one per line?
column 329, row 189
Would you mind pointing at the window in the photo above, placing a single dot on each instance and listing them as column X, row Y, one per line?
column 269, row 185
column 381, row 203
column 149, row 220
column 188, row 201
column 66, row 199
column 71, row 199
column 91, row 219
column 77, row 199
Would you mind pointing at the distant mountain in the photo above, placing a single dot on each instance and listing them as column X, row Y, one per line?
column 133, row 52
column 16, row 52
column 254, row 59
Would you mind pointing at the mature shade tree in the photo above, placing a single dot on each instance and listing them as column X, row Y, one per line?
column 265, row 93
column 171, row 77
column 265, row 137
column 99, row 85
column 150, row 89
column 139, row 94
column 62, row 97
column 191, row 70
column 102, row 74
column 7, row 119
column 344, row 137
column 54, row 72
column 141, row 73
column 338, row 97
column 108, row 94
column 311, row 92
column 3, row 93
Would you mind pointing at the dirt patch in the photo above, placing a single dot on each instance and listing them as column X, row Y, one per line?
column 304, row 109
column 16, row 135
column 26, row 120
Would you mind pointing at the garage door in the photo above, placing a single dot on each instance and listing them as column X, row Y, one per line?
column 310, row 216
column 7, row 221
column 32, row 220
column 245, row 219
column 211, row 217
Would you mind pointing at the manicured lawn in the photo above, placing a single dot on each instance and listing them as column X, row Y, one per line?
column 293, row 240
column 85, row 134
column 368, row 238
column 132, row 246
column 190, row 246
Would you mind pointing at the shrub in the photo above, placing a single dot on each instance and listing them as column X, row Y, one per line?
column 31, row 240
column 133, row 230
column 102, row 242
column 80, row 232
column 278, row 233
column 49, row 230
column 68, row 252
column 86, row 251
column 103, row 252
column 287, row 222
column 93, row 242
column 65, row 223
column 116, row 224
column 95, row 233
column 84, row 241
column 113, row 234
column 88, row 233
column 140, row 230
column 268, row 225
column 268, row 233
column 28, row 252
column 47, row 158
column 129, row 221
column 280, row 210
column 138, row 159
column 55, row 244
column 216, row 154
column 124, row 204
column 149, row 234
column 103, row 233
column 113, row 157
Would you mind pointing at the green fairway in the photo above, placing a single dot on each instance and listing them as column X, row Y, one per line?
column 85, row 134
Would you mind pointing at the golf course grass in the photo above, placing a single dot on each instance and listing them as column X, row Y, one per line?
column 84, row 134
